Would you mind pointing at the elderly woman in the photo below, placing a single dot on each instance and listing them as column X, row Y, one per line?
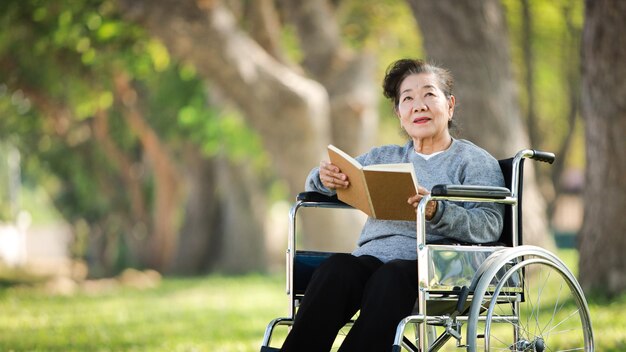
column 379, row 277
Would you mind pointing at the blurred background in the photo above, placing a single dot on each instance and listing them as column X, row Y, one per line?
column 168, row 138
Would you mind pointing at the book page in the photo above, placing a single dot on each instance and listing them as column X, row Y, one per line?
column 401, row 167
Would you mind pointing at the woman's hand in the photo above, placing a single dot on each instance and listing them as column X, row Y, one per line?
column 331, row 176
column 431, row 207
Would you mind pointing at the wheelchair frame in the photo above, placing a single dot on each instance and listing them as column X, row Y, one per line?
column 499, row 280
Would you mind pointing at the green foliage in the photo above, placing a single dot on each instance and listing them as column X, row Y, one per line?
column 221, row 131
column 556, row 28
column 58, row 61
column 385, row 27
column 52, row 89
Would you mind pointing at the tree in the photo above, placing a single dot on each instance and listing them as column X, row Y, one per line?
column 602, row 241
column 329, row 96
column 545, row 38
column 470, row 38
column 482, row 60
column 89, row 74
column 166, row 110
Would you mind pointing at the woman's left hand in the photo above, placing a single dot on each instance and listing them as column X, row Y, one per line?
column 431, row 207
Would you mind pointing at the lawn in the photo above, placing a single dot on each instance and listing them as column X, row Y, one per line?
column 213, row 313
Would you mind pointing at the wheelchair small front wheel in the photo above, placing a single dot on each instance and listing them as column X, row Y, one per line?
column 532, row 303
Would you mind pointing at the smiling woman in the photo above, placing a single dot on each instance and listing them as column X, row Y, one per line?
column 379, row 278
column 424, row 112
column 423, row 101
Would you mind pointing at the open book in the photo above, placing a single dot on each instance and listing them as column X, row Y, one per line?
column 380, row 191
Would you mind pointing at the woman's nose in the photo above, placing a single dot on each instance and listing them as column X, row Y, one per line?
column 419, row 105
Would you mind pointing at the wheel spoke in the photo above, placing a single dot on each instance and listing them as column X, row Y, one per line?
column 557, row 309
column 572, row 314
column 543, row 320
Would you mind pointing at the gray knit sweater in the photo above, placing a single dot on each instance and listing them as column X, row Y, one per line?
column 462, row 163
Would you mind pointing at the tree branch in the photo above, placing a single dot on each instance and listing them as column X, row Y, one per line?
column 265, row 27
column 319, row 35
column 167, row 189
column 269, row 93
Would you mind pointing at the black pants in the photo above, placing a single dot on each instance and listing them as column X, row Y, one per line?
column 343, row 284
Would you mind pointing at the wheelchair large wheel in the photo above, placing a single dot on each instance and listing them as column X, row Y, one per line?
column 528, row 301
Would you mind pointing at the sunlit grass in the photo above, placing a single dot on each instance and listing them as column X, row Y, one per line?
column 214, row 313
column 205, row 314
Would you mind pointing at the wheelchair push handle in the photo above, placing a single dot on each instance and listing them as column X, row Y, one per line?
column 542, row 156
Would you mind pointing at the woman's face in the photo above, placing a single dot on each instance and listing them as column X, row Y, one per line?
column 423, row 108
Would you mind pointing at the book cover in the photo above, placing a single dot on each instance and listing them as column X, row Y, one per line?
column 380, row 191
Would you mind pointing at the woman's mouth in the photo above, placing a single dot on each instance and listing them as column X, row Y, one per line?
column 420, row 120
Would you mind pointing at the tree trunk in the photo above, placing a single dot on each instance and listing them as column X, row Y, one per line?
column 292, row 113
column 163, row 237
column 529, row 74
column 243, row 213
column 269, row 93
column 200, row 233
column 348, row 79
column 205, row 34
column 347, row 76
column 470, row 38
column 602, row 241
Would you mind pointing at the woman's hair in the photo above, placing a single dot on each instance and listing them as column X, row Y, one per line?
column 401, row 69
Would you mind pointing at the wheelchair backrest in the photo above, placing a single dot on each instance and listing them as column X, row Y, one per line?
column 506, row 238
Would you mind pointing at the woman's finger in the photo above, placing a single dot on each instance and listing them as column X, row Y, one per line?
column 421, row 190
column 331, row 176
column 414, row 200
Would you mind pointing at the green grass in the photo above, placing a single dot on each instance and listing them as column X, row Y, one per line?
column 204, row 314
column 214, row 313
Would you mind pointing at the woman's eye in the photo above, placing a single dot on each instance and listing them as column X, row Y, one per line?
column 429, row 94
column 406, row 98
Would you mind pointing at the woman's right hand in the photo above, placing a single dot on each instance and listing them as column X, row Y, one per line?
column 331, row 176
column 431, row 207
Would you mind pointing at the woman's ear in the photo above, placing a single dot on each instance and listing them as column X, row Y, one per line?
column 451, row 104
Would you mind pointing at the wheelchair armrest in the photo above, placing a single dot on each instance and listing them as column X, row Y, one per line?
column 317, row 197
column 470, row 191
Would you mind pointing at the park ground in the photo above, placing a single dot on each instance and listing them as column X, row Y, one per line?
column 142, row 312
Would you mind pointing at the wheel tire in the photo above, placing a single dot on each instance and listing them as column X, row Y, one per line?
column 552, row 313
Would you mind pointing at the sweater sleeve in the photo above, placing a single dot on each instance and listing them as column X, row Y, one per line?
column 469, row 222
column 472, row 222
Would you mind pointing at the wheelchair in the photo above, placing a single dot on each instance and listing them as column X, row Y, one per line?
column 504, row 296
